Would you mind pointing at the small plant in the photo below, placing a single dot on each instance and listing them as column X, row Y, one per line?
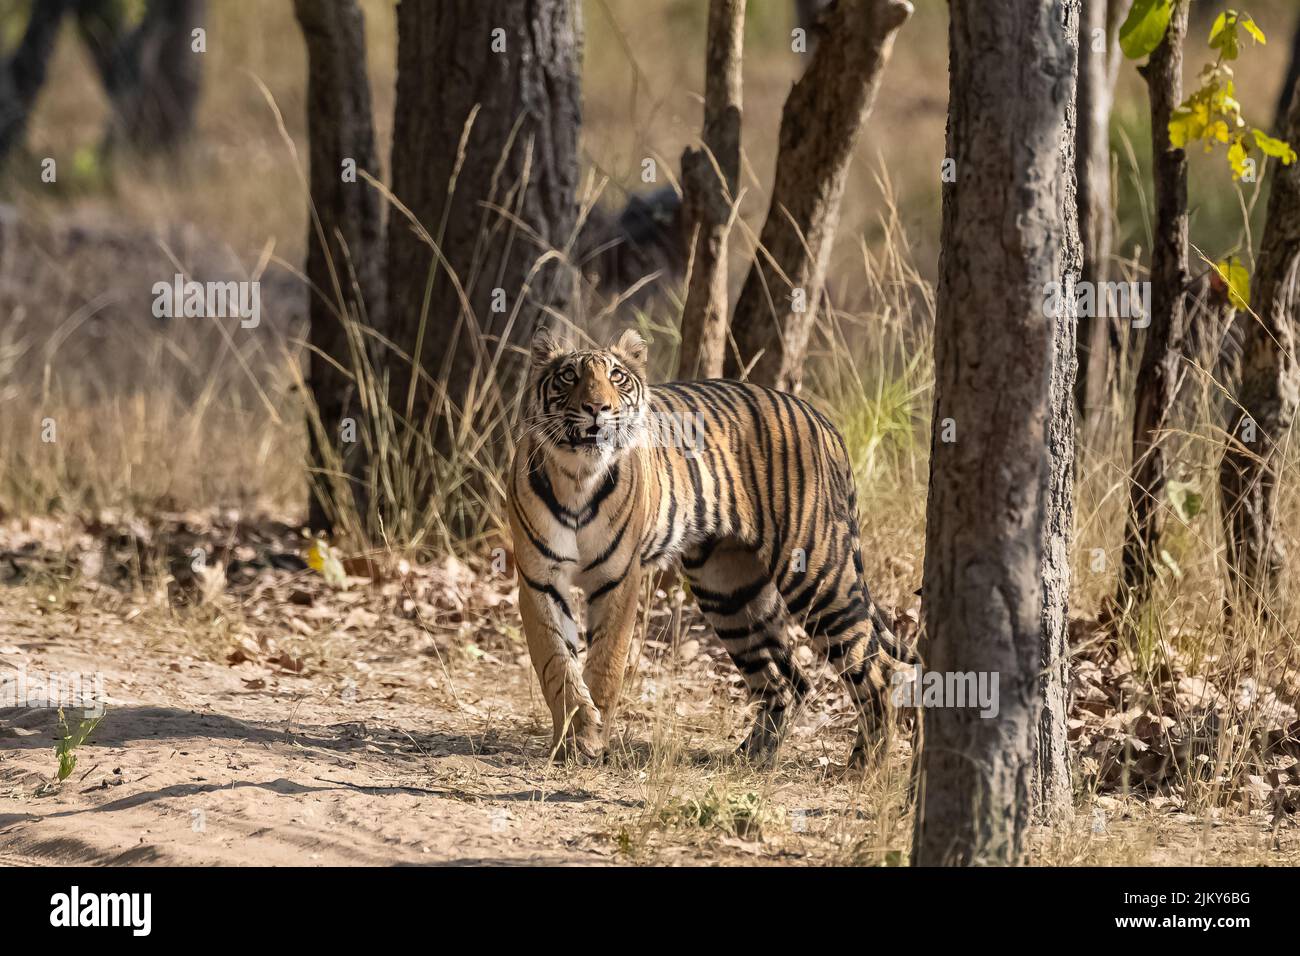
column 623, row 841
column 68, row 743
column 741, row 814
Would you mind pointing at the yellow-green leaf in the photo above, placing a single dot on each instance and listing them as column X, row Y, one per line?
column 1237, row 278
column 1237, row 156
column 1253, row 29
column 1277, row 148
column 1180, row 128
column 1220, row 22
column 1145, row 27
column 321, row 558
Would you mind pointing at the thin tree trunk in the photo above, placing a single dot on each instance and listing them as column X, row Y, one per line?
column 807, row 16
column 1100, row 337
column 23, row 74
column 485, row 158
column 1158, row 375
column 1053, row 791
column 151, row 72
column 820, row 124
column 345, row 252
column 709, row 177
column 999, row 509
column 1267, row 398
column 1289, row 83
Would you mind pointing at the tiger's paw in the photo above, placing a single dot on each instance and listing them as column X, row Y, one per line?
column 760, row 747
column 583, row 741
column 866, row 754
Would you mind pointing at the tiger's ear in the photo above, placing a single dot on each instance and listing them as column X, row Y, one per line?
column 545, row 347
column 631, row 348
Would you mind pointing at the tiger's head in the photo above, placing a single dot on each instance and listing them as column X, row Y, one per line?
column 589, row 404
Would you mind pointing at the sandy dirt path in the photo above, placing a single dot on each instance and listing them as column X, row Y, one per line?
column 294, row 724
column 202, row 762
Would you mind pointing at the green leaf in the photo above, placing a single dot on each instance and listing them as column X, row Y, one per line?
column 1237, row 277
column 1220, row 22
column 1223, row 37
column 1253, row 29
column 66, row 748
column 1147, row 23
column 1279, row 149
column 1186, row 500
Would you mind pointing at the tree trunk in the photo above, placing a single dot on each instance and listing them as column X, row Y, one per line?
column 485, row 158
column 1289, row 84
column 1158, row 375
column 999, row 508
column 820, row 124
column 345, row 252
column 151, row 72
column 619, row 248
column 23, row 74
column 1267, row 398
column 709, row 178
column 807, row 16
column 1100, row 338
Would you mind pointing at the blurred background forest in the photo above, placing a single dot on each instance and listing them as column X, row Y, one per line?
column 190, row 414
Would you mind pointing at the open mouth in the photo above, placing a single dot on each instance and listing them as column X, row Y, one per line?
column 587, row 437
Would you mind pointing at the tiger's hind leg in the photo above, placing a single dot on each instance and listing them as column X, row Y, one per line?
column 736, row 595
column 847, row 628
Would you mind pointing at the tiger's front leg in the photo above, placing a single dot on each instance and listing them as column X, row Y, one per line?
column 611, row 620
column 552, row 635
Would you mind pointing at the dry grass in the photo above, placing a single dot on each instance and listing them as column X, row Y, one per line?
column 153, row 417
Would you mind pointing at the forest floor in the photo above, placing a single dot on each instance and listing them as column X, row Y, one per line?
column 257, row 714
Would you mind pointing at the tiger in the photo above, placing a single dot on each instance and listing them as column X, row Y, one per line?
column 747, row 490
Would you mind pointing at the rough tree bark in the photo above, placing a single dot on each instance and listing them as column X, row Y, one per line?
column 1158, row 374
column 1267, row 397
column 1289, row 83
column 999, row 510
column 709, row 178
column 23, row 74
column 151, row 73
column 1100, row 338
column 345, row 253
column 820, row 124
column 485, row 157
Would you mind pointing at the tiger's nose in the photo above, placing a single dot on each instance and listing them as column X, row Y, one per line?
column 596, row 408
